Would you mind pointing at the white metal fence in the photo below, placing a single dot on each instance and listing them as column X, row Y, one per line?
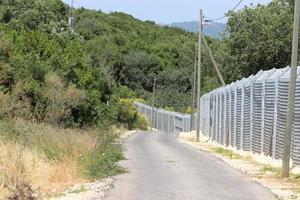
column 249, row 114
column 165, row 120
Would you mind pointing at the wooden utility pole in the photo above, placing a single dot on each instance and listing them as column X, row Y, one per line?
column 213, row 60
column 153, row 101
column 199, row 77
column 194, row 77
column 291, row 99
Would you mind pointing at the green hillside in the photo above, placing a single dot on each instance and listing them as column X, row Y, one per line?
column 136, row 52
column 110, row 52
column 77, row 79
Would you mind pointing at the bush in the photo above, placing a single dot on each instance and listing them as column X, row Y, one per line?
column 140, row 123
column 62, row 98
column 128, row 114
column 102, row 163
column 6, row 105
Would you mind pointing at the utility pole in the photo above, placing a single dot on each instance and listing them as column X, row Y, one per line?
column 213, row 60
column 71, row 16
column 194, row 77
column 291, row 99
column 199, row 78
column 153, row 101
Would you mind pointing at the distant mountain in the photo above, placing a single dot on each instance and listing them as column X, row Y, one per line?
column 211, row 29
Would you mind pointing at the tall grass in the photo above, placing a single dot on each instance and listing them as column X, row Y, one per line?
column 39, row 159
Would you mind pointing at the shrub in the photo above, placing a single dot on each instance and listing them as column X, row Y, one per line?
column 101, row 163
column 141, row 100
column 128, row 114
column 102, row 160
column 62, row 98
column 6, row 105
column 28, row 100
column 140, row 123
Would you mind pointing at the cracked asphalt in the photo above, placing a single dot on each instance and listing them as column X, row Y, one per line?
column 161, row 168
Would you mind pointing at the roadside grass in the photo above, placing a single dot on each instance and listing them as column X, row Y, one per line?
column 38, row 160
column 79, row 190
column 265, row 171
column 75, row 191
column 102, row 161
column 271, row 171
column 227, row 153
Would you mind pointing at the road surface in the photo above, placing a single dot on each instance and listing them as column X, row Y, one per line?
column 160, row 168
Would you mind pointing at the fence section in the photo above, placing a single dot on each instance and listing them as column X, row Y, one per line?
column 249, row 114
column 252, row 116
column 164, row 120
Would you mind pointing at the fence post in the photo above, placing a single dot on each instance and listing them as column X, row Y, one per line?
column 275, row 119
column 242, row 114
column 230, row 118
column 235, row 109
column 262, row 117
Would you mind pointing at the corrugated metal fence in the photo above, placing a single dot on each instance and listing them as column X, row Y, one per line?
column 249, row 114
column 165, row 120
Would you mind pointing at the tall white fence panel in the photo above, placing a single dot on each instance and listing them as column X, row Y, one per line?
column 249, row 114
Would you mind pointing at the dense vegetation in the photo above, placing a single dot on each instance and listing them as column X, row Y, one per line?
column 115, row 56
column 257, row 38
column 47, row 73
column 135, row 52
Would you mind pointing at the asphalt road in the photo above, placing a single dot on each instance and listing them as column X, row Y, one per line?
column 160, row 168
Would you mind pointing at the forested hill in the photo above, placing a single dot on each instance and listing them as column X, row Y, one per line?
column 136, row 52
column 114, row 55
column 50, row 74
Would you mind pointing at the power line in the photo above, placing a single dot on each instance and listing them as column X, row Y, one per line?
column 219, row 18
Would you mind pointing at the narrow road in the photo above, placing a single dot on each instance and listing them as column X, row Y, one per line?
column 160, row 168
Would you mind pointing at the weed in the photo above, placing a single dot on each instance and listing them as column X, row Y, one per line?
column 270, row 170
column 225, row 152
column 102, row 162
column 79, row 190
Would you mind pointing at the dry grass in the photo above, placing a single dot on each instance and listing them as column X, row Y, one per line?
column 41, row 158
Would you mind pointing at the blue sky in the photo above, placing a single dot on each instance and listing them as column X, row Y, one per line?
column 166, row 11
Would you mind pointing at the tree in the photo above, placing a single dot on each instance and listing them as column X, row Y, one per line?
column 259, row 38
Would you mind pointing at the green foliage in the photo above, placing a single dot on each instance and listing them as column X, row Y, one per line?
column 225, row 152
column 6, row 106
column 140, row 123
column 134, row 52
column 111, row 57
column 258, row 38
column 47, row 15
column 102, row 161
column 115, row 56
column 128, row 114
